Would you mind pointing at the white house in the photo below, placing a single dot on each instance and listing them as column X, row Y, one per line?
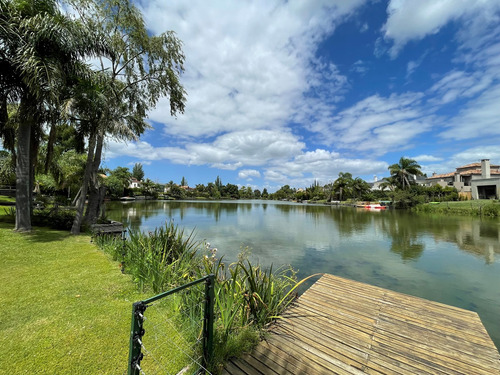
column 135, row 183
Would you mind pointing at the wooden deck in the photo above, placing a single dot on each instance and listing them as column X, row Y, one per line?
column 340, row 326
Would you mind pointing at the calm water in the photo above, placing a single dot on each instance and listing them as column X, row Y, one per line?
column 453, row 260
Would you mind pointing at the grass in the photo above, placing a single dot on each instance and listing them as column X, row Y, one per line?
column 247, row 297
column 4, row 199
column 65, row 305
column 478, row 207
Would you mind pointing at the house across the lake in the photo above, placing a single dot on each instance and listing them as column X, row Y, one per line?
column 473, row 181
column 135, row 183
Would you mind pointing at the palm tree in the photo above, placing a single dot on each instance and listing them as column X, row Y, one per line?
column 42, row 54
column 403, row 169
column 360, row 188
column 343, row 184
column 389, row 183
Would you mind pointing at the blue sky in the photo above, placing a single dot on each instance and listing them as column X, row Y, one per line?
column 292, row 91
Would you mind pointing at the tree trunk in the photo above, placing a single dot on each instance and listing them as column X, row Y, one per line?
column 102, row 206
column 95, row 203
column 34, row 146
column 80, row 203
column 50, row 147
column 23, row 174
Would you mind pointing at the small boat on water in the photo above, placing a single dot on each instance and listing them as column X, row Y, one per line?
column 127, row 198
column 376, row 206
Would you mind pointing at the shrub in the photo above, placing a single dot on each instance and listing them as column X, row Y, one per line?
column 55, row 218
column 491, row 210
column 247, row 297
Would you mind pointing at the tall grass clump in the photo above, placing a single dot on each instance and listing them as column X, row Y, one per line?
column 247, row 296
column 159, row 260
column 247, row 299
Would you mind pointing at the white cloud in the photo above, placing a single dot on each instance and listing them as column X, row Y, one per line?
column 467, row 156
column 248, row 174
column 228, row 151
column 414, row 64
column 143, row 162
column 426, row 158
column 479, row 118
column 475, row 154
column 413, row 20
column 378, row 125
column 359, row 67
column 247, row 65
column 321, row 165
column 459, row 84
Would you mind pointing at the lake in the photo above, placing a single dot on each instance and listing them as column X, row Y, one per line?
column 449, row 259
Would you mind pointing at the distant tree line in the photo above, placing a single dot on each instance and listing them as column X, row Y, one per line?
column 400, row 188
column 213, row 190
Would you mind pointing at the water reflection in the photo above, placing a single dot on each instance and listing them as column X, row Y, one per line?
column 475, row 236
column 454, row 260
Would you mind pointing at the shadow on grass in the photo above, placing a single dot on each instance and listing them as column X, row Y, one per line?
column 38, row 234
column 43, row 234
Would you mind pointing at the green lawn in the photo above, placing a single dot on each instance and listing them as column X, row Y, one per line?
column 479, row 207
column 465, row 204
column 65, row 307
column 6, row 199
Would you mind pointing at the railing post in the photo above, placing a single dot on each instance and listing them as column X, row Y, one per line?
column 136, row 333
column 208, row 321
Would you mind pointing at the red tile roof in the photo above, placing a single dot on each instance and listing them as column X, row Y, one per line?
column 477, row 171
column 464, row 173
column 443, row 175
column 477, row 165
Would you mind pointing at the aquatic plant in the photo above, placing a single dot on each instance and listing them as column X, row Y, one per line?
column 247, row 296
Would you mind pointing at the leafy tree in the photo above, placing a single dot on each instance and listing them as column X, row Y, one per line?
column 41, row 56
column 389, row 183
column 213, row 191
column 257, row 194
column 342, row 185
column 169, row 185
column 231, row 191
column 245, row 192
column 218, row 184
column 177, row 193
column 315, row 191
column 265, row 194
column 403, row 169
column 285, row 192
column 64, row 174
column 117, row 181
column 7, row 169
column 360, row 188
column 184, row 181
column 138, row 172
column 141, row 69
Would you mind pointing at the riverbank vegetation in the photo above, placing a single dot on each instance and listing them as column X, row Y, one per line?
column 247, row 297
column 487, row 208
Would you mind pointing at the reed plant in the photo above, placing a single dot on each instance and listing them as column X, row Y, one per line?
column 159, row 260
column 247, row 296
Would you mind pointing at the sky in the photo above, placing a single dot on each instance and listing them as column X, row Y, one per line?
column 289, row 92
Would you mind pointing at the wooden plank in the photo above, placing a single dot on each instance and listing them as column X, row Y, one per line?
column 316, row 358
column 339, row 326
